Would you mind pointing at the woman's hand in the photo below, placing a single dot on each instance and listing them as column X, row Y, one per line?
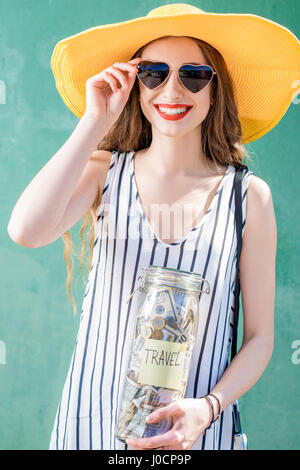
column 191, row 416
column 108, row 91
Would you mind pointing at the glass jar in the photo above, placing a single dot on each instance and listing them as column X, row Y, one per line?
column 161, row 350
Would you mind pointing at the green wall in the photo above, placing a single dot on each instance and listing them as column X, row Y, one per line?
column 37, row 326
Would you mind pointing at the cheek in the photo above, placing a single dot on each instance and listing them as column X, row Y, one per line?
column 203, row 103
column 146, row 104
column 204, row 97
column 144, row 109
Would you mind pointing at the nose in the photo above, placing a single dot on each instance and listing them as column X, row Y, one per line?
column 172, row 84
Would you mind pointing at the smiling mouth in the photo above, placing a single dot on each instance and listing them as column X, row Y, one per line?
column 173, row 113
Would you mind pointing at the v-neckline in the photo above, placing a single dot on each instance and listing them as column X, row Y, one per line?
column 194, row 229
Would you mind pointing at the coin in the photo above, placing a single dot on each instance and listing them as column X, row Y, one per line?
column 157, row 334
column 158, row 323
column 146, row 331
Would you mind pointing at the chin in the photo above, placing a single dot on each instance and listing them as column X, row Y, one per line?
column 172, row 131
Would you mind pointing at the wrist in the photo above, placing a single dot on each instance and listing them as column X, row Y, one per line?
column 217, row 405
column 209, row 415
column 214, row 406
column 97, row 121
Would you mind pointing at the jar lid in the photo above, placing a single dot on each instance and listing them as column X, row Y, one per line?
column 157, row 275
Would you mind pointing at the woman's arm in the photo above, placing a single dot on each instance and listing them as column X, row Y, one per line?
column 42, row 205
column 257, row 281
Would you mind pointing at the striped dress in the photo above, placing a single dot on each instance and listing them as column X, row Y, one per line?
column 124, row 243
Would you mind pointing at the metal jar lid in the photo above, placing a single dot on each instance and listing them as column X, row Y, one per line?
column 158, row 276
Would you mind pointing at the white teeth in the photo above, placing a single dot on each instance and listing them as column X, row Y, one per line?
column 172, row 110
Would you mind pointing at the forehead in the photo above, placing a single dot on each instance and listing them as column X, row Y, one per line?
column 174, row 50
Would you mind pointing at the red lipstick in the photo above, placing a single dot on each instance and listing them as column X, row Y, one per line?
column 172, row 117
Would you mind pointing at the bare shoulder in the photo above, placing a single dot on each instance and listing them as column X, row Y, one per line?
column 259, row 191
column 260, row 212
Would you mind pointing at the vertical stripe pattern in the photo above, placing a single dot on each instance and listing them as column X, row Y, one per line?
column 86, row 417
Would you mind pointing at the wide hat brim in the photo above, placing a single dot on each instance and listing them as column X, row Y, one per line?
column 263, row 58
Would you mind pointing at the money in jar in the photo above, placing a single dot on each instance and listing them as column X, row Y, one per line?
column 165, row 330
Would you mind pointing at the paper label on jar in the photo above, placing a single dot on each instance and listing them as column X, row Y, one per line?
column 162, row 364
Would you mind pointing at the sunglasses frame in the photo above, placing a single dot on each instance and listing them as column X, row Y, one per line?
column 178, row 77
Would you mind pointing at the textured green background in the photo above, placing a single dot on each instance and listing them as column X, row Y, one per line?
column 37, row 326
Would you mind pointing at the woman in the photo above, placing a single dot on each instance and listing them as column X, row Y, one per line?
column 143, row 156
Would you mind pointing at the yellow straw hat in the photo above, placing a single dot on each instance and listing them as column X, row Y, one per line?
column 262, row 56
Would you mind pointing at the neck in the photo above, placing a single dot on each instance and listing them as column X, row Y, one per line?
column 179, row 155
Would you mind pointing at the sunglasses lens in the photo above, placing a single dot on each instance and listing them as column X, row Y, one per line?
column 195, row 77
column 152, row 74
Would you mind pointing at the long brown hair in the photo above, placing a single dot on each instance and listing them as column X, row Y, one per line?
column 220, row 137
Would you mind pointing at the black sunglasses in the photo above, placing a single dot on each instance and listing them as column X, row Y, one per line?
column 193, row 77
